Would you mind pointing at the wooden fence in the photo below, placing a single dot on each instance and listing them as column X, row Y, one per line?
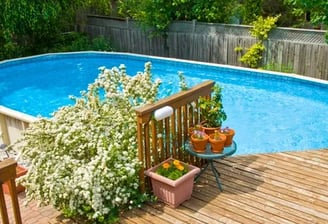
column 303, row 51
column 159, row 140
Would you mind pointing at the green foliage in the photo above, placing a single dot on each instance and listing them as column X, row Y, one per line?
column 31, row 27
column 250, row 10
column 83, row 160
column 212, row 110
column 182, row 82
column 74, row 41
column 157, row 15
column 262, row 27
column 318, row 9
column 214, row 11
column 253, row 56
column 260, row 30
column 238, row 49
column 279, row 67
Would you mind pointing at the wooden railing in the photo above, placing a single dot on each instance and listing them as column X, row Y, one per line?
column 159, row 140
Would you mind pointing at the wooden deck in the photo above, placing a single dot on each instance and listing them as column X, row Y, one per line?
column 289, row 187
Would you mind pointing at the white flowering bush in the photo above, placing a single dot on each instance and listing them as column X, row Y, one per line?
column 84, row 159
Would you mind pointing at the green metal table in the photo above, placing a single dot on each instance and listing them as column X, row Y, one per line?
column 209, row 156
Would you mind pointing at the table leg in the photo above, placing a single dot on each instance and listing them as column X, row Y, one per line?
column 201, row 171
column 216, row 174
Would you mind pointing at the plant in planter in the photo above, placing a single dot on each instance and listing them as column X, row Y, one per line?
column 212, row 111
column 229, row 133
column 217, row 141
column 199, row 139
column 172, row 181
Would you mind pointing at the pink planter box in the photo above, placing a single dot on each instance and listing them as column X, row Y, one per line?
column 172, row 192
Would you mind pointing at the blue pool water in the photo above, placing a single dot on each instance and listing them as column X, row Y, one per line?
column 270, row 113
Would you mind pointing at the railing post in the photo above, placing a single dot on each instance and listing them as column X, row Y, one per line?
column 8, row 174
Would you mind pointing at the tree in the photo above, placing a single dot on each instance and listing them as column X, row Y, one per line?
column 250, row 10
column 316, row 9
column 157, row 15
column 30, row 26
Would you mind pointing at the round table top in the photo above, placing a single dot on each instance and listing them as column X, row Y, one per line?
column 208, row 154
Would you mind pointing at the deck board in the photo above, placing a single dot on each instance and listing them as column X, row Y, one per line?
column 288, row 187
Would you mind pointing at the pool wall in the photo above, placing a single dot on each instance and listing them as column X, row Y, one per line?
column 12, row 123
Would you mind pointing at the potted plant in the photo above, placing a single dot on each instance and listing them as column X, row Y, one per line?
column 217, row 141
column 172, row 181
column 229, row 133
column 212, row 111
column 199, row 139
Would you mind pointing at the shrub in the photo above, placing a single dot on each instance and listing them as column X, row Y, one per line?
column 83, row 160
column 253, row 56
column 261, row 29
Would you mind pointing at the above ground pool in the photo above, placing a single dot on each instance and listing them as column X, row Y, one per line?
column 270, row 112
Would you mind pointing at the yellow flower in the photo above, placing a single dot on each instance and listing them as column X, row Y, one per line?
column 172, row 169
column 176, row 162
column 180, row 167
column 166, row 165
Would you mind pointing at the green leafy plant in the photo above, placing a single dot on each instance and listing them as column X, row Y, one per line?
column 73, row 41
column 253, row 56
column 260, row 30
column 212, row 110
column 83, row 160
column 173, row 169
column 262, row 27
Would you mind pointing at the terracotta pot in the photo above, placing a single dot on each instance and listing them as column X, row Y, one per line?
column 199, row 145
column 217, row 145
column 229, row 136
column 191, row 130
column 210, row 130
column 172, row 192
column 20, row 171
